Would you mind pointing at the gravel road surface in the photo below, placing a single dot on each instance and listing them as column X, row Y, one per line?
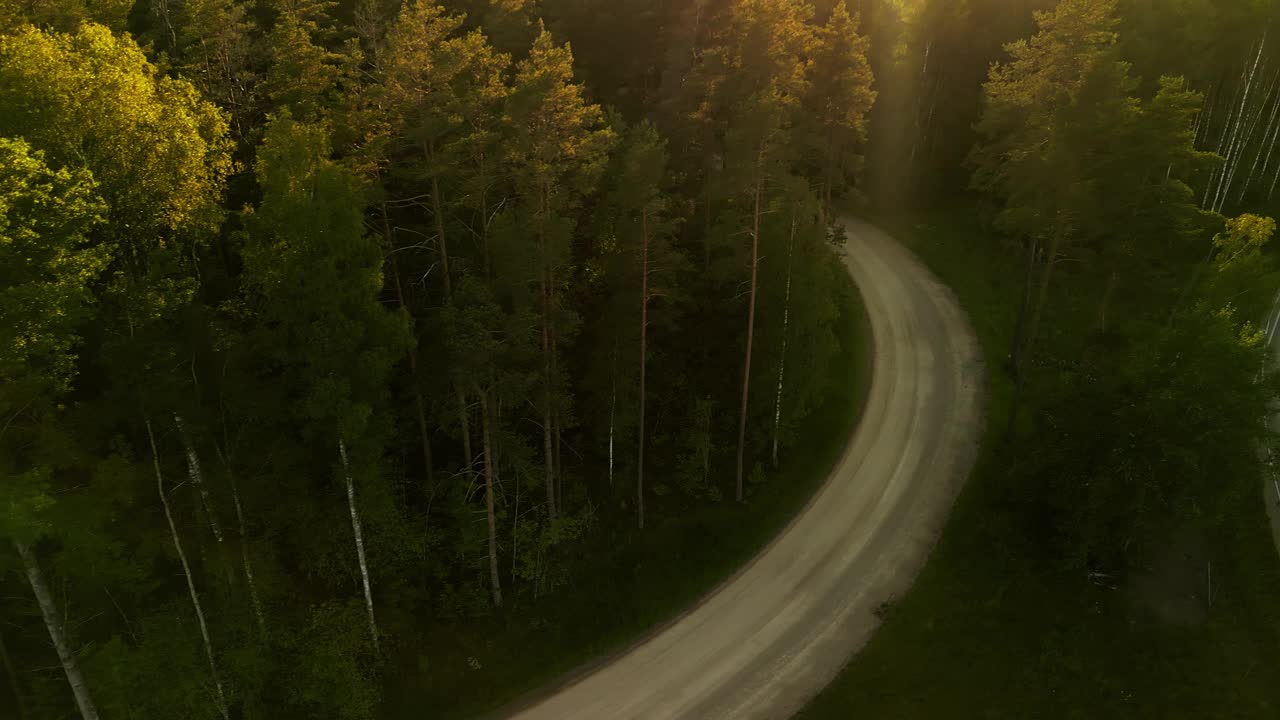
column 768, row 639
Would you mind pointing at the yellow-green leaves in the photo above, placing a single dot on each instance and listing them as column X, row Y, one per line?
column 1024, row 100
column 1242, row 240
column 46, row 268
column 558, row 139
column 92, row 100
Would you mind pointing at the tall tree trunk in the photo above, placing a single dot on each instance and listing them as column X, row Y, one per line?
column 782, row 358
column 557, row 399
column 644, row 337
column 613, row 404
column 1264, row 145
column 1105, row 306
column 359, row 537
column 13, row 680
column 196, row 475
column 1042, row 294
column 1227, row 126
column 420, row 412
column 706, row 221
column 186, row 571
column 544, row 290
column 53, row 623
column 484, row 233
column 1269, row 142
column 495, row 582
column 464, row 424
column 419, row 406
column 160, row 8
column 1242, row 144
column 1028, row 344
column 437, row 212
column 828, row 173
column 751, row 317
column 1228, row 167
column 254, row 599
column 1020, row 325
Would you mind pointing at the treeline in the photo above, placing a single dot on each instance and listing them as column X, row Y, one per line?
column 1133, row 352
column 1122, row 155
column 325, row 323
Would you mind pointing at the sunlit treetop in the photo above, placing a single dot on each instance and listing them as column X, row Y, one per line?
column 92, row 100
column 45, row 268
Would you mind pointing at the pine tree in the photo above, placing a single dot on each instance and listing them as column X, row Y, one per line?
column 640, row 263
column 555, row 152
column 218, row 51
column 838, row 100
column 764, row 81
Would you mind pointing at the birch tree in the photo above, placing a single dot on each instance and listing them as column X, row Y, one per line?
column 220, row 697
column 314, row 278
column 159, row 155
column 45, row 219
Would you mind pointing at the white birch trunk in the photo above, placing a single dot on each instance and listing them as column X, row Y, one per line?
column 53, row 623
column 1232, row 145
column 782, row 361
column 359, row 536
column 495, row 581
column 220, row 698
column 1202, row 118
column 1220, row 149
column 613, row 403
column 248, row 566
column 1268, row 142
column 1274, row 179
column 644, row 357
column 1245, row 139
column 197, row 477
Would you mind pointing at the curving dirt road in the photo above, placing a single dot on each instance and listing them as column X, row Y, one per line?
column 772, row 636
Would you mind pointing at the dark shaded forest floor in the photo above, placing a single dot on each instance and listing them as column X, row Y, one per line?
column 991, row 631
column 626, row 583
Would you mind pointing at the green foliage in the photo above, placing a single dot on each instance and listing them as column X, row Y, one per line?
column 46, row 267
column 1061, row 85
column 328, row 667
column 838, row 99
column 438, row 250
column 315, row 277
column 303, row 72
column 1242, row 241
column 129, row 685
column 63, row 15
column 1152, row 442
column 218, row 49
column 1165, row 439
column 557, row 146
column 157, row 150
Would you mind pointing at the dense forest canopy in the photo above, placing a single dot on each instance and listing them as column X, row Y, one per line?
column 331, row 328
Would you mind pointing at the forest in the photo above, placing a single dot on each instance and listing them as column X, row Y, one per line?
column 380, row 359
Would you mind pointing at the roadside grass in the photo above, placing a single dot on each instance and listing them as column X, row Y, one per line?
column 628, row 582
column 989, row 630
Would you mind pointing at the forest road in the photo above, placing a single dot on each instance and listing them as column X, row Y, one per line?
column 768, row 639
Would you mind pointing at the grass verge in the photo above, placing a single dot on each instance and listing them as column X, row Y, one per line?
column 989, row 631
column 633, row 580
